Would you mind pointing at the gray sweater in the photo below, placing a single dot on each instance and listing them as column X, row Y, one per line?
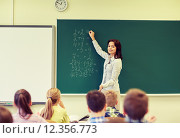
column 112, row 69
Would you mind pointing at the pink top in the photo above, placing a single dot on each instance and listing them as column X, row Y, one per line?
column 30, row 118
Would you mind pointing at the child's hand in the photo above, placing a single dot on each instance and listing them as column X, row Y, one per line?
column 151, row 119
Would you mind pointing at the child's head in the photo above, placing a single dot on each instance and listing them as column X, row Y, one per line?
column 96, row 101
column 136, row 104
column 5, row 115
column 53, row 97
column 111, row 98
column 22, row 100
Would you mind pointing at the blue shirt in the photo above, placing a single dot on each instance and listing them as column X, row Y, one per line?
column 97, row 119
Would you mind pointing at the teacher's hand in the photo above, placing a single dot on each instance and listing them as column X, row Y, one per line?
column 91, row 34
column 100, row 88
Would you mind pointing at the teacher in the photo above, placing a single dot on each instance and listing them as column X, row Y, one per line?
column 112, row 65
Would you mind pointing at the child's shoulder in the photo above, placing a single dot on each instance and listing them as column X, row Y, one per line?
column 59, row 109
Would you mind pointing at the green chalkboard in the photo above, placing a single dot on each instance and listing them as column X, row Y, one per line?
column 150, row 52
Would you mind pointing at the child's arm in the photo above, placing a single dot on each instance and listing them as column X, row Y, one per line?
column 151, row 119
column 61, row 104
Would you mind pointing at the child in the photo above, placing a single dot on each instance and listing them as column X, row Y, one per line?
column 136, row 106
column 22, row 100
column 96, row 106
column 54, row 109
column 111, row 101
column 5, row 115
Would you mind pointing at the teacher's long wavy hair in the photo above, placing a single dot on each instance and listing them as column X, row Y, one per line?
column 118, row 48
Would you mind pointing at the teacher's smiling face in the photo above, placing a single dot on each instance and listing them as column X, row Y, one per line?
column 111, row 49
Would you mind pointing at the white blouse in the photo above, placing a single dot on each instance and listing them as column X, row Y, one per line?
column 112, row 69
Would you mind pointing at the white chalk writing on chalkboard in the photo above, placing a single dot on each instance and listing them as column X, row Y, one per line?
column 82, row 64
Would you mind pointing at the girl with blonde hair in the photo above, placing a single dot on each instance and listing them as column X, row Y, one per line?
column 54, row 109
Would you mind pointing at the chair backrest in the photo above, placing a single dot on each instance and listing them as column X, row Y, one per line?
column 115, row 120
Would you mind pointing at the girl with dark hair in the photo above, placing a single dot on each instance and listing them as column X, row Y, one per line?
column 112, row 65
column 22, row 100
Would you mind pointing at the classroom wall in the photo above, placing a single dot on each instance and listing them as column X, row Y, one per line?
column 43, row 12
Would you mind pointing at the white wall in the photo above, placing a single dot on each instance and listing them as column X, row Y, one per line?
column 43, row 12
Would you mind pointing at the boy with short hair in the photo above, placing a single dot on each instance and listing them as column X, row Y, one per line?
column 111, row 101
column 96, row 106
column 5, row 115
column 136, row 106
